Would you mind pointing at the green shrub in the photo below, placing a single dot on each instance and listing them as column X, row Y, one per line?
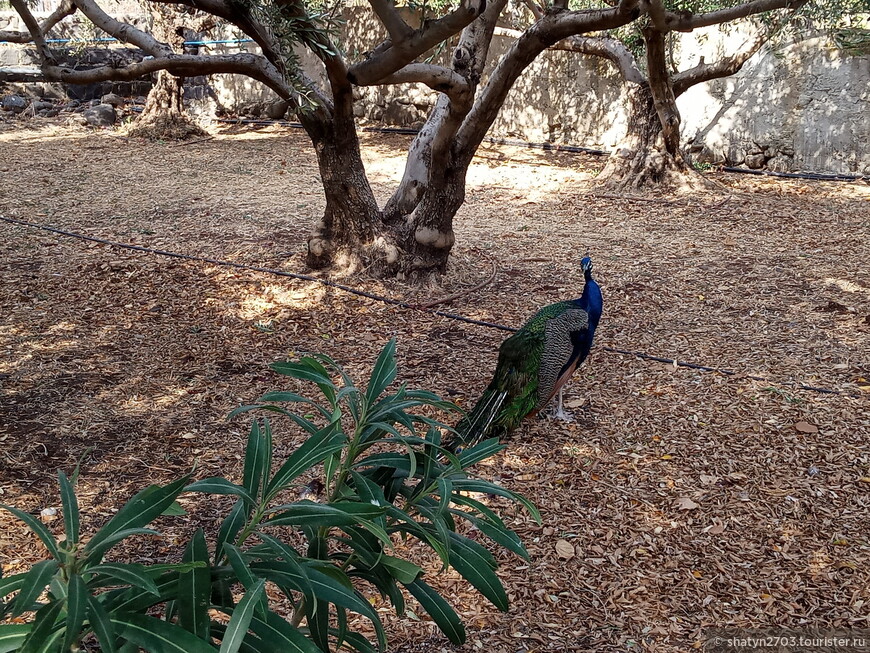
column 384, row 476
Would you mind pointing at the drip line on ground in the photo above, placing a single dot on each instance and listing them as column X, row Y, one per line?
column 403, row 304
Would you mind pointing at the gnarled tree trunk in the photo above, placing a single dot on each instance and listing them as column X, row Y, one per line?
column 650, row 155
column 164, row 117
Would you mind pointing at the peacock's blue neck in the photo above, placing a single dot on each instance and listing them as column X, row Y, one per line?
column 591, row 302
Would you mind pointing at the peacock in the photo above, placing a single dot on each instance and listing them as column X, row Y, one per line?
column 534, row 364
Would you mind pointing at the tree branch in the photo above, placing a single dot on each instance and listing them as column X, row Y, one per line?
column 598, row 46
column 182, row 65
column 390, row 56
column 123, row 31
column 686, row 22
column 66, row 8
column 704, row 72
column 396, row 27
column 36, row 34
column 550, row 29
column 435, row 77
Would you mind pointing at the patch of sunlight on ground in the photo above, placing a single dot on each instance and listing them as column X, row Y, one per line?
column 42, row 134
column 273, row 297
column 846, row 286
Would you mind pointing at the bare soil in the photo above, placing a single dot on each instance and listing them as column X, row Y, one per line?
column 678, row 501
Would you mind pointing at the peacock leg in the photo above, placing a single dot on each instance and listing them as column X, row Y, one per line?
column 560, row 413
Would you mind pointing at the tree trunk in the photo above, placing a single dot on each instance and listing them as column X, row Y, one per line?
column 163, row 117
column 355, row 234
column 650, row 156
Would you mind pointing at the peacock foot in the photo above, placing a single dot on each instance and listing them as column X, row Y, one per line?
column 559, row 413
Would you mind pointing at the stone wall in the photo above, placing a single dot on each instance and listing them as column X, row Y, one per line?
column 805, row 107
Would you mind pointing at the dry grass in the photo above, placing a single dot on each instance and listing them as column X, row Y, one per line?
column 679, row 500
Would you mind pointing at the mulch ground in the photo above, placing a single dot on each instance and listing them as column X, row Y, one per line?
column 679, row 500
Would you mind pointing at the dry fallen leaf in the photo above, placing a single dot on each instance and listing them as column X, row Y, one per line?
column 564, row 549
column 685, row 503
column 806, row 427
column 715, row 529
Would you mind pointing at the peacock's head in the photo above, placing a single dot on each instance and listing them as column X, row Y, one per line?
column 586, row 266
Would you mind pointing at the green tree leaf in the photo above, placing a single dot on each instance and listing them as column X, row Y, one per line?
column 44, row 631
column 241, row 618
column 157, row 636
column 442, row 614
column 139, row 511
column 12, row 636
column 37, row 527
column 284, row 636
column 384, row 372
column 70, row 504
column 132, row 574
column 34, row 584
column 320, row 445
column 102, row 625
column 194, row 589
column 76, row 610
column 219, row 485
column 258, row 461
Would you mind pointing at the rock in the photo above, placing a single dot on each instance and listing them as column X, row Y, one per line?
column 780, row 164
column 710, row 157
column 140, row 99
column 51, row 113
column 102, row 115
column 113, row 99
column 755, row 161
column 14, row 103
column 42, row 105
column 72, row 104
column 735, row 155
column 277, row 110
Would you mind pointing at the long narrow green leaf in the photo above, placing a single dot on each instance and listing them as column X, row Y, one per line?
column 480, row 451
column 37, row 527
column 139, row 511
column 102, row 625
column 70, row 509
column 474, row 485
column 383, row 373
column 290, row 564
column 477, row 569
column 246, row 576
column 285, row 637
column 442, row 614
column 12, row 636
column 219, row 485
column 194, row 589
column 402, row 570
column 258, row 460
column 320, row 445
column 12, row 583
column 76, row 609
column 45, row 628
column 97, row 553
column 34, row 584
column 133, row 599
column 230, row 527
column 499, row 534
column 132, row 574
column 157, row 636
column 241, row 618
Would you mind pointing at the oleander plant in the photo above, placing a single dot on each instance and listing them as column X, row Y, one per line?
column 369, row 483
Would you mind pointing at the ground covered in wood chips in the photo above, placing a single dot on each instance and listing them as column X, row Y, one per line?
column 680, row 500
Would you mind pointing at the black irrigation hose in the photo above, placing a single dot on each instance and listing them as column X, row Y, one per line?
column 818, row 176
column 402, row 304
column 555, row 147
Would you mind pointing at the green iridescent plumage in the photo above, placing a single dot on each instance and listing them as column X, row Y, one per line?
column 534, row 364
